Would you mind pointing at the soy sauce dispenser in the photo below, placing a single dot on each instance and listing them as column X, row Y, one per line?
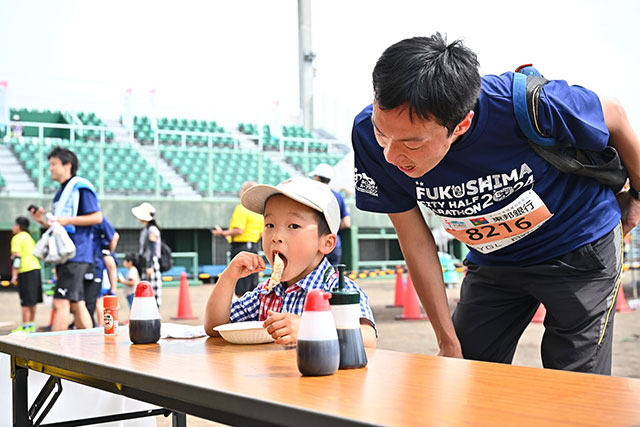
column 345, row 306
column 144, row 320
column 317, row 348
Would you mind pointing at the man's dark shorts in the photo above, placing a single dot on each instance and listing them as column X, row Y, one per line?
column 70, row 280
column 579, row 291
column 30, row 288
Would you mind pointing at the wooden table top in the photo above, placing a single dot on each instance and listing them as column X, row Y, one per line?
column 394, row 389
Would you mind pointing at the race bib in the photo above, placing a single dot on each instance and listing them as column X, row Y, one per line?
column 499, row 229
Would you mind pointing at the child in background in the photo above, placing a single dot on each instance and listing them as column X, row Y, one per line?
column 301, row 219
column 25, row 272
column 133, row 276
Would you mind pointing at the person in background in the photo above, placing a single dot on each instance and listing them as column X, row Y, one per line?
column 301, row 221
column 25, row 272
column 324, row 173
column 133, row 276
column 150, row 247
column 76, row 208
column 245, row 230
column 106, row 278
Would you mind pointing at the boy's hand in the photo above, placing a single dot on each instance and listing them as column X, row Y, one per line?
column 244, row 264
column 283, row 327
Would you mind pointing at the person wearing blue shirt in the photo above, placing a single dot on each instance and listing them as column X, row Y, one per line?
column 324, row 173
column 441, row 136
column 76, row 207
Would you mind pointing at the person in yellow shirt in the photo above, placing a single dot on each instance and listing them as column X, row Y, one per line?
column 25, row 272
column 245, row 230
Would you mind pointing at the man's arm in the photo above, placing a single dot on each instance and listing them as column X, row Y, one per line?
column 81, row 220
column 14, row 271
column 114, row 242
column 421, row 255
column 626, row 142
column 345, row 222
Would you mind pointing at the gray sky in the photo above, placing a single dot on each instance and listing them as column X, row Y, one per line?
column 237, row 60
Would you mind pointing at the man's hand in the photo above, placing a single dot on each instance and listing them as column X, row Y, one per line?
column 216, row 231
column 37, row 214
column 14, row 278
column 63, row 220
column 630, row 209
column 451, row 351
column 283, row 327
column 244, row 264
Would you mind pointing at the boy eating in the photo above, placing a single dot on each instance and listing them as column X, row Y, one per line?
column 301, row 219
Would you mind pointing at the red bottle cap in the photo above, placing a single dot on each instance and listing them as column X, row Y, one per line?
column 143, row 289
column 317, row 300
column 110, row 301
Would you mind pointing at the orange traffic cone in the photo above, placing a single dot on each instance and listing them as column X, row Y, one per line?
column 412, row 309
column 184, row 300
column 398, row 300
column 621, row 301
column 540, row 314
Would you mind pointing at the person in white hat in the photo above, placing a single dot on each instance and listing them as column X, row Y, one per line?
column 150, row 247
column 324, row 173
column 301, row 219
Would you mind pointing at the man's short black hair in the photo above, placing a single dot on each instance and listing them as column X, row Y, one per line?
column 436, row 80
column 65, row 156
column 23, row 223
column 323, row 180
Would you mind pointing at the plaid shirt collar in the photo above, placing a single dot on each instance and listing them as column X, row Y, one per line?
column 313, row 280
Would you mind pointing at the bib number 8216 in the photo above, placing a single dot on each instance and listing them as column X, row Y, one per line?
column 487, row 231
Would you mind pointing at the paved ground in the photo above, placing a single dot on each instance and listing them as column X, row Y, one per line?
column 408, row 336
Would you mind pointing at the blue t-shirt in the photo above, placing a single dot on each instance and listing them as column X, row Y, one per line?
column 491, row 190
column 102, row 235
column 344, row 211
column 83, row 236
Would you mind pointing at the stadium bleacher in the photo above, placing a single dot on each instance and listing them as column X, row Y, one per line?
column 190, row 147
column 125, row 171
column 230, row 168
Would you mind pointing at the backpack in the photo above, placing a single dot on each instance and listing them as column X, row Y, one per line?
column 604, row 166
column 166, row 258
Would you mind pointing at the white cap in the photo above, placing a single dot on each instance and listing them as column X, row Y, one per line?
column 144, row 211
column 322, row 170
column 310, row 193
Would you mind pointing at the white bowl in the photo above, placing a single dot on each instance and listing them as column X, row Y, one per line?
column 244, row 332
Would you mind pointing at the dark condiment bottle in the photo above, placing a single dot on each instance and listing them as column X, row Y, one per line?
column 317, row 348
column 144, row 321
column 345, row 306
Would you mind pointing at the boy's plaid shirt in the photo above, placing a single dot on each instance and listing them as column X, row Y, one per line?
column 255, row 304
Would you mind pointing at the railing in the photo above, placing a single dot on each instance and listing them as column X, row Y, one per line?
column 209, row 149
column 176, row 255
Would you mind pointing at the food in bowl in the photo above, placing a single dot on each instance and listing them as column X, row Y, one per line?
column 244, row 332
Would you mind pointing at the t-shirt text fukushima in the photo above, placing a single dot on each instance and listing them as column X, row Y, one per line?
column 474, row 195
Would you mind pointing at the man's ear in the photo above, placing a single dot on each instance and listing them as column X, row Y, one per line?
column 464, row 125
column 328, row 242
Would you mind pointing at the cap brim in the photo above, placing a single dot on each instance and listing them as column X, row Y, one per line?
column 255, row 197
column 140, row 214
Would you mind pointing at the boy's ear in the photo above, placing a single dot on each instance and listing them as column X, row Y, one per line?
column 328, row 242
